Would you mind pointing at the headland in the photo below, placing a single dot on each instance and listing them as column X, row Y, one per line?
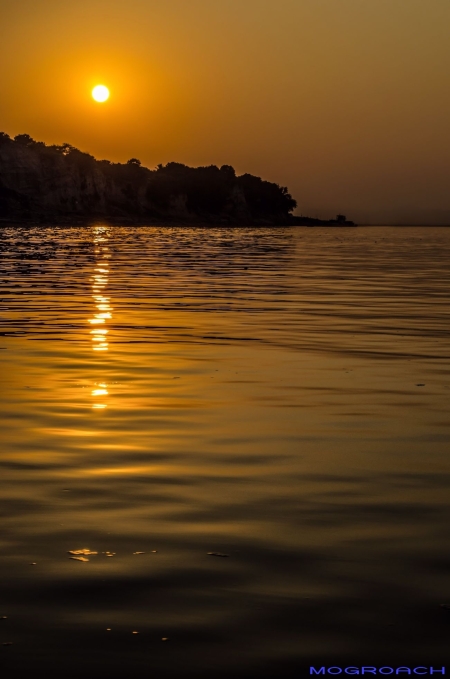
column 42, row 184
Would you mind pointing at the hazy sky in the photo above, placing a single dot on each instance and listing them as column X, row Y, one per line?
column 347, row 102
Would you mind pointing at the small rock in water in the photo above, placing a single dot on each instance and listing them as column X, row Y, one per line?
column 165, row 639
column 420, row 385
column 135, row 553
column 135, row 632
column 33, row 563
column 3, row 617
column 78, row 558
column 217, row 554
column 154, row 551
column 81, row 552
column 7, row 643
column 108, row 629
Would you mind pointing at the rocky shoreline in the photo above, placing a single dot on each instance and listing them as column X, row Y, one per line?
column 61, row 185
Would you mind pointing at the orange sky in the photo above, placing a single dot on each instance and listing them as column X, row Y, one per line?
column 346, row 102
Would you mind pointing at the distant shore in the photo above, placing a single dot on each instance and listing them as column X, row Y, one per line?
column 68, row 221
column 59, row 184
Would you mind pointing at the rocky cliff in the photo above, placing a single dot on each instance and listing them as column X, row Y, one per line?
column 40, row 183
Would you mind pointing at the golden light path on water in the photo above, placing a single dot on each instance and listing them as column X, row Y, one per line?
column 99, row 332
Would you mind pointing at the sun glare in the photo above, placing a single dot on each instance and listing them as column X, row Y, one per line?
column 100, row 93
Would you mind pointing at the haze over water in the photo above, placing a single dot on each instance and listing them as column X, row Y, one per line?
column 277, row 395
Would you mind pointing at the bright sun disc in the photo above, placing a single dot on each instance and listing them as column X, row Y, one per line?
column 100, row 93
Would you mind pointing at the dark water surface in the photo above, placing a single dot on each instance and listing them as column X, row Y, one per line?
column 277, row 395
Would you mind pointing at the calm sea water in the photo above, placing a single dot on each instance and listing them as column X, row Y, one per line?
column 280, row 396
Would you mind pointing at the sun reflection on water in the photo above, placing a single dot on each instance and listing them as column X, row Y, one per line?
column 103, row 308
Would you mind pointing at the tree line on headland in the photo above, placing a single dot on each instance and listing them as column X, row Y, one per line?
column 61, row 184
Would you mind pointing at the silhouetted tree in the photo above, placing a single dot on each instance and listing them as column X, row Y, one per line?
column 134, row 161
column 266, row 198
column 66, row 149
column 228, row 171
column 25, row 140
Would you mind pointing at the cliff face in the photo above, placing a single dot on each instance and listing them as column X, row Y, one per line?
column 32, row 183
column 40, row 183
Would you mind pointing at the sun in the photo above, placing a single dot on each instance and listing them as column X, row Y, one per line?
column 100, row 93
